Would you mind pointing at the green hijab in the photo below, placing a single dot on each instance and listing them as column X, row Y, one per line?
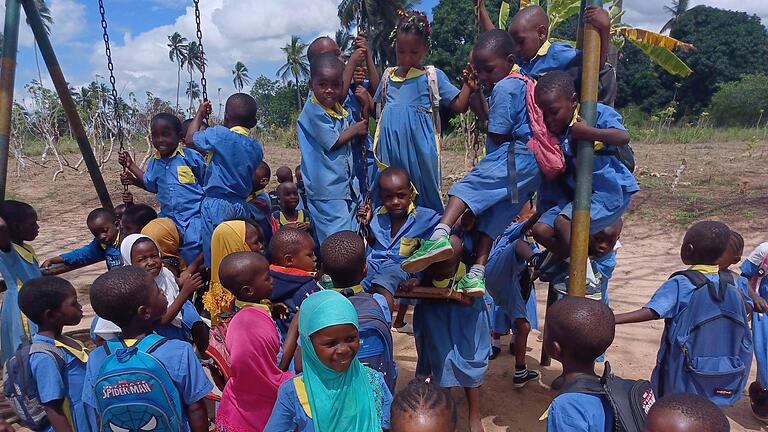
column 340, row 401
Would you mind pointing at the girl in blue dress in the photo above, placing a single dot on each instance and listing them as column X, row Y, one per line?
column 406, row 135
column 18, row 264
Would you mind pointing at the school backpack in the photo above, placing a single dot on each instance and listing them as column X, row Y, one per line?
column 217, row 347
column 623, row 153
column 134, row 390
column 630, row 400
column 20, row 387
column 708, row 344
column 375, row 338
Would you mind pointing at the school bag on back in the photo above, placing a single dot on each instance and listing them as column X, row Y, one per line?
column 630, row 400
column 134, row 390
column 375, row 338
column 20, row 387
column 709, row 344
column 217, row 347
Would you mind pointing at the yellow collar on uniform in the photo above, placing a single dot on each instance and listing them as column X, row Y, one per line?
column 242, row 304
column 357, row 289
column 598, row 144
column 515, row 69
column 411, row 209
column 26, row 251
column 299, row 217
column 301, row 394
column 543, row 49
column 241, row 130
column 412, row 73
column 81, row 353
column 338, row 112
column 705, row 268
column 179, row 151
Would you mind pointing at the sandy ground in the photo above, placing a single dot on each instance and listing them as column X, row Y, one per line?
column 649, row 255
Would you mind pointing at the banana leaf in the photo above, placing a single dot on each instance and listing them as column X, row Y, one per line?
column 664, row 58
column 503, row 15
column 652, row 38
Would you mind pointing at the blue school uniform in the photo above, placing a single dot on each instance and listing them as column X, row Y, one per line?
column 179, row 360
column 749, row 269
column 290, row 286
column 502, row 276
column 406, row 136
column 328, row 173
column 603, row 268
column 233, row 157
column 94, row 252
column 551, row 56
column 53, row 384
column 177, row 180
column 487, row 189
column 362, row 148
column 453, row 340
column 570, row 412
column 612, row 183
column 292, row 411
column 388, row 252
column 17, row 266
column 189, row 317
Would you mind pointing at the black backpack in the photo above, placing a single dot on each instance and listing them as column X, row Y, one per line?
column 630, row 399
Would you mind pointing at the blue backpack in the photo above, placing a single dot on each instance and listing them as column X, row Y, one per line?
column 375, row 338
column 134, row 391
column 709, row 344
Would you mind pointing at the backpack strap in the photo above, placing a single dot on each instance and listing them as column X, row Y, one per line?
column 698, row 280
column 434, row 103
column 49, row 349
column 384, row 83
column 584, row 383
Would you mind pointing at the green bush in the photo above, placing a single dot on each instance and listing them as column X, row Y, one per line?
column 742, row 102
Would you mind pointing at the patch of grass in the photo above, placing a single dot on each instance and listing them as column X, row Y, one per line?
column 690, row 135
column 650, row 182
column 684, row 217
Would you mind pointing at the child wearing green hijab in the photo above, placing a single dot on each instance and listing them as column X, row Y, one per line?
column 335, row 392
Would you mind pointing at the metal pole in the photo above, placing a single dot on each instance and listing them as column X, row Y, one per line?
column 7, row 81
column 62, row 88
column 577, row 273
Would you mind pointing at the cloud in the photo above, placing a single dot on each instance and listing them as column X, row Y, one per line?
column 650, row 14
column 68, row 22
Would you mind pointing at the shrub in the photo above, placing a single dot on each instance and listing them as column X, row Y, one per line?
column 742, row 102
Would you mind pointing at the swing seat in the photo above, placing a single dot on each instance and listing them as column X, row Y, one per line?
column 432, row 293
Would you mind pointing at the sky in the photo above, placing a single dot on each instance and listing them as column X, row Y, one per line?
column 251, row 31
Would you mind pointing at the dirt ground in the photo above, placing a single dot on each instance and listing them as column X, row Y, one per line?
column 719, row 181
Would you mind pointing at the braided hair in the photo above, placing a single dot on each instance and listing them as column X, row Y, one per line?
column 412, row 22
column 421, row 396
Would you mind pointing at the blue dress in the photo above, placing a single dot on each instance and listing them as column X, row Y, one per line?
column 405, row 135
column 17, row 266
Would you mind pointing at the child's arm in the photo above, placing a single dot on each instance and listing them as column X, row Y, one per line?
column 349, row 69
column 55, row 412
column 611, row 136
column 640, row 315
column 373, row 75
column 51, row 261
column 600, row 19
column 460, row 103
column 136, row 176
column 356, row 130
column 203, row 111
column 289, row 346
column 197, row 416
column 761, row 305
column 188, row 285
column 485, row 19
column 86, row 255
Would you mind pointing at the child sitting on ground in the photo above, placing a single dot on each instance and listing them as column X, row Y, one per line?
column 58, row 362
column 293, row 267
column 176, row 175
column 135, row 218
column 326, row 131
column 105, row 244
column 335, row 392
column 689, row 359
column 253, row 344
column 130, row 298
column 289, row 215
column 683, row 412
column 233, row 158
column 423, row 407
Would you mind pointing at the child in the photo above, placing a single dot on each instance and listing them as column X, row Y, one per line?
column 103, row 225
column 406, row 135
column 130, row 298
column 51, row 303
column 452, row 339
column 683, row 412
column 325, row 133
column 488, row 190
column 135, row 218
column 289, row 214
column 423, row 407
column 165, row 234
column 253, row 344
column 18, row 264
column 335, row 392
column 233, row 158
column 284, row 174
column 300, row 185
column 677, row 301
column 259, row 198
column 578, row 330
column 293, row 271
column 176, row 175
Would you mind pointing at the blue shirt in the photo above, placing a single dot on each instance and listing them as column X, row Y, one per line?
column 751, row 268
column 233, row 157
column 579, row 412
column 507, row 113
column 420, row 223
column 327, row 173
column 673, row 296
column 54, row 385
column 177, row 181
column 551, row 56
column 179, row 360
column 604, row 266
column 94, row 252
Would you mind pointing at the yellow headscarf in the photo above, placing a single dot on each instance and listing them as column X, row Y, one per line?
column 167, row 238
column 227, row 238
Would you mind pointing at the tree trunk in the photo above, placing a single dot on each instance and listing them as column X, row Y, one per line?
column 298, row 92
column 178, row 86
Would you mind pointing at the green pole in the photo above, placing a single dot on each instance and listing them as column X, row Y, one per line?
column 577, row 273
column 7, row 81
column 62, row 88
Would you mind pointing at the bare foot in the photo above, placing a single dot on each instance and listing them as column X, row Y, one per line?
column 476, row 425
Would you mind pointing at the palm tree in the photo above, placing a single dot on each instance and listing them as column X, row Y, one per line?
column 193, row 58
column 193, row 93
column 177, row 44
column 296, row 64
column 377, row 18
column 47, row 19
column 678, row 8
column 240, row 76
column 344, row 41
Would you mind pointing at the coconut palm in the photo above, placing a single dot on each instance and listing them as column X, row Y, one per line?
column 344, row 41
column 47, row 19
column 678, row 8
column 296, row 64
column 193, row 58
column 193, row 93
column 377, row 18
column 177, row 45
column 240, row 77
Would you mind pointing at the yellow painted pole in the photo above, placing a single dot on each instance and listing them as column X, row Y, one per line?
column 7, row 81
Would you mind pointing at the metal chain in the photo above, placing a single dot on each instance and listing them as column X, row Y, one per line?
column 115, row 99
column 203, row 82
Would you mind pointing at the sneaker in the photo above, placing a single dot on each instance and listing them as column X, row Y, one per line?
column 407, row 328
column 495, row 351
column 430, row 252
column 472, row 286
column 758, row 398
column 524, row 377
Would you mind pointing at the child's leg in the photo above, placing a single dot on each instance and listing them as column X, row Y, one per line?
column 402, row 311
column 473, row 402
column 331, row 216
column 522, row 374
column 438, row 247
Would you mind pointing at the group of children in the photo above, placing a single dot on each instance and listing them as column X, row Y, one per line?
column 297, row 341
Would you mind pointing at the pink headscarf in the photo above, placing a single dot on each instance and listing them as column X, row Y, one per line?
column 251, row 392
